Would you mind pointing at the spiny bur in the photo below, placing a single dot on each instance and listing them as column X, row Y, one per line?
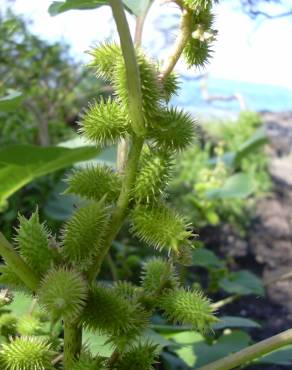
column 63, row 293
column 33, row 241
column 26, row 353
column 95, row 183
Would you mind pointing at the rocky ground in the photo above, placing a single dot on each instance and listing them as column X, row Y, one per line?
column 267, row 248
column 270, row 239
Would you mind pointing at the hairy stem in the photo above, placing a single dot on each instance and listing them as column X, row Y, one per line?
column 17, row 264
column 183, row 37
column 120, row 211
column 133, row 76
column 250, row 353
column 72, row 343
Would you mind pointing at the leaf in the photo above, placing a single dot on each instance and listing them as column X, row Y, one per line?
column 168, row 330
column 187, row 340
column 58, row 7
column 205, row 258
column 234, row 322
column 20, row 304
column 200, row 353
column 97, row 344
column 171, row 361
column 20, row 164
column 11, row 101
column 153, row 337
column 239, row 185
column 282, row 356
column 187, row 337
column 60, row 207
column 243, row 283
column 137, row 7
column 258, row 139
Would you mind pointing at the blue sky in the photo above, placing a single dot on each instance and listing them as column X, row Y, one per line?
column 245, row 50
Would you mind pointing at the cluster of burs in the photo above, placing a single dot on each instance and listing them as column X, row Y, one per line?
column 68, row 290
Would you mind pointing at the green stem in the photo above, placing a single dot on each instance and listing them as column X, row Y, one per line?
column 132, row 71
column 123, row 146
column 182, row 39
column 252, row 352
column 72, row 343
column 17, row 264
column 112, row 267
column 120, row 211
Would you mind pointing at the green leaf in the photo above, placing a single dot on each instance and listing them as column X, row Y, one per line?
column 58, row 7
column 137, row 7
column 282, row 356
column 153, row 337
column 243, row 283
column 239, row 185
column 20, row 164
column 205, row 258
column 187, row 340
column 11, row 101
column 97, row 343
column 258, row 139
column 198, row 353
column 234, row 322
column 186, row 337
column 21, row 304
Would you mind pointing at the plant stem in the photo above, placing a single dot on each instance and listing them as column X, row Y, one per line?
column 140, row 25
column 123, row 146
column 113, row 359
column 183, row 37
column 123, row 149
column 225, row 301
column 72, row 343
column 133, row 76
column 120, row 211
column 252, row 352
column 57, row 359
column 112, row 267
column 17, row 264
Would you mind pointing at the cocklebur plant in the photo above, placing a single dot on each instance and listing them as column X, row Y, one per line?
column 63, row 275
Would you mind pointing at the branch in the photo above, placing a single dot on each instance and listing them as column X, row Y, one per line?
column 123, row 146
column 122, row 204
column 133, row 76
column 182, row 39
column 252, row 352
column 140, row 25
column 135, row 107
column 17, row 264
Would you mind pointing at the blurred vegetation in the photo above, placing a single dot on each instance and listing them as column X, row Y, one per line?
column 42, row 92
column 54, row 87
column 220, row 177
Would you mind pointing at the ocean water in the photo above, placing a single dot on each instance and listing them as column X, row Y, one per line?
column 257, row 97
